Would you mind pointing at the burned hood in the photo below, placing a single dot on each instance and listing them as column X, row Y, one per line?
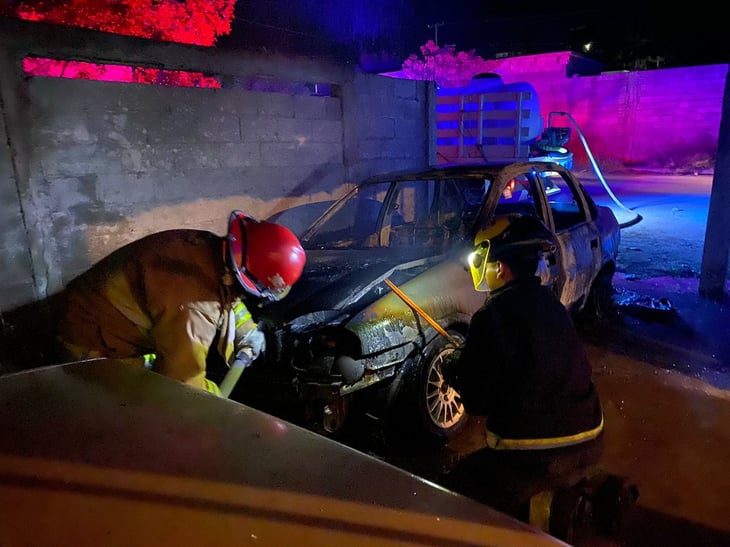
column 339, row 281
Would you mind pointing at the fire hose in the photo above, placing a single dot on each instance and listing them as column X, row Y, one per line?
column 234, row 373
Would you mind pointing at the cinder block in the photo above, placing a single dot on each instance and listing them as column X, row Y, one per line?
column 288, row 154
column 378, row 127
column 414, row 127
column 408, row 89
column 317, row 108
column 298, row 130
column 228, row 102
column 125, row 190
column 188, row 157
column 196, row 126
column 276, row 105
column 257, row 128
column 81, row 159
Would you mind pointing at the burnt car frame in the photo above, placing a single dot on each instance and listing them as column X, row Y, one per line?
column 343, row 342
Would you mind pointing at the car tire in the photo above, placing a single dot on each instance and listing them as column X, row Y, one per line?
column 430, row 410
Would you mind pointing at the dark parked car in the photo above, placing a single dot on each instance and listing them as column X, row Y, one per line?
column 344, row 340
column 129, row 457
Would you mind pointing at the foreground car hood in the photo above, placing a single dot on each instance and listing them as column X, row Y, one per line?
column 204, row 470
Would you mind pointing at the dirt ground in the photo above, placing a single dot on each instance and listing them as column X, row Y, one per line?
column 665, row 431
column 669, row 433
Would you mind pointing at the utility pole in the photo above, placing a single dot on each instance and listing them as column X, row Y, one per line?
column 435, row 27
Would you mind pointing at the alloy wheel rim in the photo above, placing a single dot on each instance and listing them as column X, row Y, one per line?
column 442, row 401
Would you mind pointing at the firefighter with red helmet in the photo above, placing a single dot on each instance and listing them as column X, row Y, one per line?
column 172, row 297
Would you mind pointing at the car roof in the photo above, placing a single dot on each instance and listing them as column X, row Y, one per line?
column 104, row 453
column 466, row 170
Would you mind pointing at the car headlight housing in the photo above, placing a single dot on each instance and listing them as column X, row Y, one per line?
column 333, row 351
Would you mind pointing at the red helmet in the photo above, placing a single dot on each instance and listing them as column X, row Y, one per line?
column 267, row 258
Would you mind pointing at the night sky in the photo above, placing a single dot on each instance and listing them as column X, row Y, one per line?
column 378, row 35
column 622, row 32
column 624, row 35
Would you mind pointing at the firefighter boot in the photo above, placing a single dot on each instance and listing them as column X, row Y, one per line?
column 613, row 504
column 602, row 504
column 562, row 512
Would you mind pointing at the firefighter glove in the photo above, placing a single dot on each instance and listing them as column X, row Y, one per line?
column 253, row 344
column 449, row 367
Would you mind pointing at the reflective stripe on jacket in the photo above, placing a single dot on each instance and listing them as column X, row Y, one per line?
column 238, row 322
column 498, row 443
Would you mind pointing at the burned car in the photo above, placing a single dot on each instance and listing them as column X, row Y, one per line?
column 386, row 293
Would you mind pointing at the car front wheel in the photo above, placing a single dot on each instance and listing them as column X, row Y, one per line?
column 427, row 409
column 443, row 409
column 439, row 410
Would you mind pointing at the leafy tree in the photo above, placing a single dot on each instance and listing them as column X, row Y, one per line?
column 81, row 70
column 444, row 65
column 198, row 22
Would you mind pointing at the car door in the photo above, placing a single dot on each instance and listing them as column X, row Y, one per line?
column 571, row 218
column 525, row 194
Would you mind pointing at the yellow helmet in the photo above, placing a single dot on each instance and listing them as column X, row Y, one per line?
column 507, row 238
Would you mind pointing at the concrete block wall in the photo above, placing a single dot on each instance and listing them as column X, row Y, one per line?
column 678, row 114
column 389, row 118
column 665, row 118
column 98, row 164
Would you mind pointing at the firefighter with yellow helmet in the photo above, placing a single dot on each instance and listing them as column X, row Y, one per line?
column 524, row 368
column 172, row 297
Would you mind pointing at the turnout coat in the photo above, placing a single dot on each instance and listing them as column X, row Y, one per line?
column 168, row 296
